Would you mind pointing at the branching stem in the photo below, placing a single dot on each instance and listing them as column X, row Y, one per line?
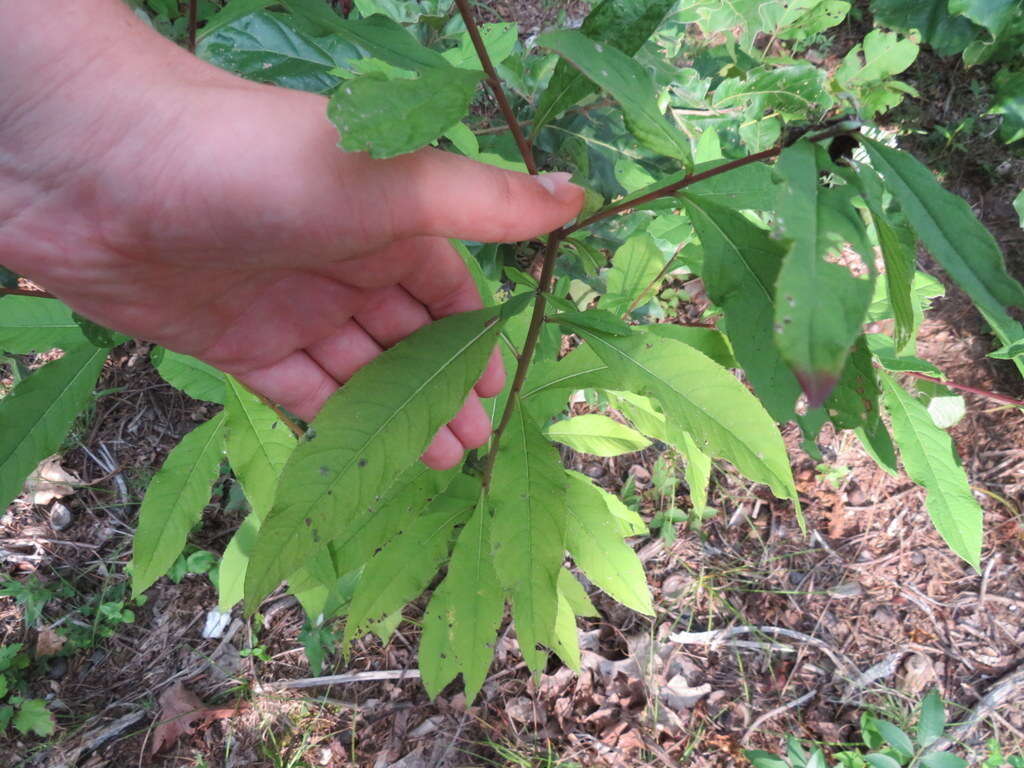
column 965, row 388
column 193, row 8
column 495, row 84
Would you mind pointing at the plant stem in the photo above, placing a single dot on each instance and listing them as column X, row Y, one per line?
column 285, row 419
column 193, row 6
column 529, row 347
column 495, row 83
column 670, row 189
column 965, row 388
column 26, row 292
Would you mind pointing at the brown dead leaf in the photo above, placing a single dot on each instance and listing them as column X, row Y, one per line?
column 48, row 642
column 181, row 712
column 49, row 481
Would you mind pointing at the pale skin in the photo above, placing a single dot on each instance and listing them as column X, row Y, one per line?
column 177, row 203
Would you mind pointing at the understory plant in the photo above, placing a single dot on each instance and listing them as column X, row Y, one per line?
column 727, row 157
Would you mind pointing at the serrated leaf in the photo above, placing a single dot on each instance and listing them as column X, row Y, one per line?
column 879, row 56
column 626, row 24
column 741, row 264
column 574, row 593
column 391, row 117
column 628, row 83
column 34, row 717
column 258, row 445
column 634, row 266
column 928, row 455
column 597, row 435
column 952, row 234
column 820, row 306
column 192, row 376
column 595, row 540
column 264, row 47
column 36, row 325
column 367, row 434
column 174, row 502
column 527, row 493
column 705, row 400
column 932, row 722
column 750, row 186
column 459, row 631
column 36, row 416
column 549, row 383
column 405, row 566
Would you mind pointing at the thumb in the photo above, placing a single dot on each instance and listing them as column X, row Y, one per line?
column 447, row 195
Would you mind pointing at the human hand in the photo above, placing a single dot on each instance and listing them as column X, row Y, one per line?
column 174, row 202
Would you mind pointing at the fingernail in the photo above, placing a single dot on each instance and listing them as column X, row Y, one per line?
column 557, row 185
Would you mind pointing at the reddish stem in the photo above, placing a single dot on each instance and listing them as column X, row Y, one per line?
column 965, row 388
column 193, row 7
column 26, row 292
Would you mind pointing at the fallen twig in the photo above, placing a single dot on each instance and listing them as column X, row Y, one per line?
column 777, row 711
column 351, row 677
column 1009, row 687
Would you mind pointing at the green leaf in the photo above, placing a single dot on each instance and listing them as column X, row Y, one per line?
column 597, row 320
column 549, row 383
column 258, row 445
column 930, row 459
column 381, row 37
column 174, row 502
column 878, row 57
column 499, row 40
column 465, row 613
column 634, row 266
column 192, row 376
column 626, row 24
column 1009, row 102
column 698, row 473
column 594, row 538
column 391, row 117
column 932, row 722
column 264, row 47
column 98, row 335
column 230, row 13
column 712, row 343
column 705, row 400
column 1010, row 351
column 405, row 566
column 36, row 416
column 36, row 325
column 898, row 246
column 994, row 15
column 750, row 186
column 896, row 738
column 528, row 532
column 34, row 717
column 597, row 435
column 741, row 264
column 762, row 759
column 957, row 240
column 565, row 640
column 367, row 433
column 946, row 33
column 628, row 83
column 575, row 594
column 821, row 306
column 804, row 18
column 1018, row 206
column 943, row 760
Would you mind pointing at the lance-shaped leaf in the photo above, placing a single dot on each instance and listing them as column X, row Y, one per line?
column 36, row 416
column 597, row 435
column 257, row 445
column 741, row 264
column 820, row 306
column 464, row 614
column 898, row 246
column 367, row 434
column 626, row 24
column 36, row 325
column 175, row 500
column 931, row 461
column 595, row 541
column 528, row 532
column 697, row 473
column 548, row 383
column 712, row 343
column 952, row 234
column 565, row 640
column 390, row 117
column 634, row 266
column 192, row 376
column 705, row 400
column 232, row 11
column 628, row 83
column 404, row 568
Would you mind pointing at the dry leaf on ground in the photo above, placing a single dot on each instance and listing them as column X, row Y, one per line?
column 181, row 712
column 49, row 481
column 48, row 642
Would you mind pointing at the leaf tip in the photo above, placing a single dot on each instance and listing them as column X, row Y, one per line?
column 817, row 385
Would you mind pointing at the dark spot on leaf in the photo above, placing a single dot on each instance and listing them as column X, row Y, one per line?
column 316, row 536
column 308, row 521
column 325, row 471
column 648, row 346
column 274, row 425
column 330, row 492
column 361, row 463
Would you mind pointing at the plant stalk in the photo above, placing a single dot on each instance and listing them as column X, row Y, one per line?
column 26, row 292
column 495, row 84
column 965, row 388
column 529, row 347
column 671, row 189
